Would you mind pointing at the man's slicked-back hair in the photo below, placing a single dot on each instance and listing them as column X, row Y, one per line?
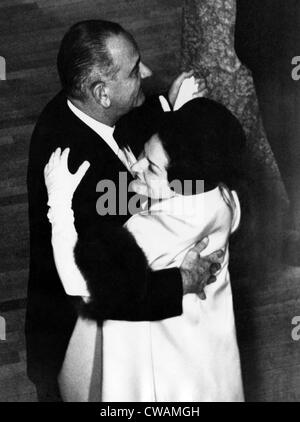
column 83, row 58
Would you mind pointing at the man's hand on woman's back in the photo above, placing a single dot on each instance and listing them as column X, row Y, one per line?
column 197, row 272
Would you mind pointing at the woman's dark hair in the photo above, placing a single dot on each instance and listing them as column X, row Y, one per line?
column 83, row 52
column 204, row 141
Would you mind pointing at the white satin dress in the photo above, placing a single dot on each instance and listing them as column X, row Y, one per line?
column 193, row 357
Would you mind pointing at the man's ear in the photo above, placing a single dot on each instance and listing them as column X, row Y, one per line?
column 101, row 94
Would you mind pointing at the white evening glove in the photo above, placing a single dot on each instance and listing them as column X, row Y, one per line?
column 186, row 92
column 190, row 88
column 61, row 185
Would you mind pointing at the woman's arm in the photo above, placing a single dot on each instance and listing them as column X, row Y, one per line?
column 61, row 185
column 64, row 238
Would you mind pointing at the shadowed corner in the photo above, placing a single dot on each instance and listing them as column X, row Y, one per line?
column 2, row 68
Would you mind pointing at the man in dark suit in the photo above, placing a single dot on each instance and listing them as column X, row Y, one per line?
column 100, row 70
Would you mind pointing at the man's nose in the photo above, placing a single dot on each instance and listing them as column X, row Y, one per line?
column 145, row 72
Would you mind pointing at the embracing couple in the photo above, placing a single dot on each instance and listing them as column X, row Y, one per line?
column 124, row 307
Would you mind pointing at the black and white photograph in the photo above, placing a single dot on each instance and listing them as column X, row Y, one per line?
column 149, row 203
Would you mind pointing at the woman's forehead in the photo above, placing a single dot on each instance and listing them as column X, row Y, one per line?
column 155, row 151
column 150, row 145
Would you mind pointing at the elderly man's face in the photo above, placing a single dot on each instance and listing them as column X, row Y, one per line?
column 125, row 90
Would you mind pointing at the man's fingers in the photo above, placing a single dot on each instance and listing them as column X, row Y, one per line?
column 216, row 257
column 202, row 295
column 211, row 280
column 193, row 254
column 81, row 171
column 200, row 246
column 214, row 268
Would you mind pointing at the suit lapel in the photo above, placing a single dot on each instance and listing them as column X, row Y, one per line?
column 98, row 144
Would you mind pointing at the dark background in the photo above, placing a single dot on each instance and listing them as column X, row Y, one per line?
column 267, row 38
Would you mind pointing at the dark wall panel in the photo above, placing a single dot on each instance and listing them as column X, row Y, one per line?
column 267, row 38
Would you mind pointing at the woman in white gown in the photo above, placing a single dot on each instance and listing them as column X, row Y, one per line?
column 193, row 357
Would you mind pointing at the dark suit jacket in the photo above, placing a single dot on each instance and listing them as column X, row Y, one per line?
column 51, row 314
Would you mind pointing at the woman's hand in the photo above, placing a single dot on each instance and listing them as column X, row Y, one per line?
column 60, row 183
column 199, row 92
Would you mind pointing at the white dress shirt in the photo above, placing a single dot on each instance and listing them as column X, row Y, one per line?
column 106, row 133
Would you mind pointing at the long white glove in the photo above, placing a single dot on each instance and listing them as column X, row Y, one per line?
column 61, row 185
column 185, row 88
